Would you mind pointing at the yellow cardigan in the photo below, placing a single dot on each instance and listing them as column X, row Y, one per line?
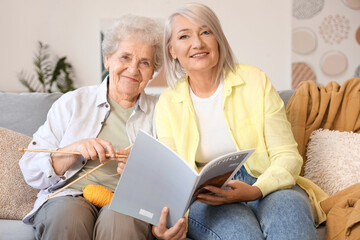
column 255, row 115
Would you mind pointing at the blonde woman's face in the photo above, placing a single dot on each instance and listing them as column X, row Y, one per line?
column 194, row 45
column 130, row 67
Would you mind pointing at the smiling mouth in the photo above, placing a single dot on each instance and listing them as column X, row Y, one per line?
column 199, row 55
column 131, row 79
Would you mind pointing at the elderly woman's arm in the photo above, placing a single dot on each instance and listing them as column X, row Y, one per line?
column 64, row 129
column 37, row 167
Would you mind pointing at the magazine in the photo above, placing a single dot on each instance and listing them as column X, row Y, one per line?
column 156, row 177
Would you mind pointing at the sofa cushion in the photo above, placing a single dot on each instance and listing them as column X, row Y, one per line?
column 15, row 230
column 16, row 198
column 333, row 159
column 25, row 112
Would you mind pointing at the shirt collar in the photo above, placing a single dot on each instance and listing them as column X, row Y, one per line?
column 231, row 79
column 181, row 88
column 142, row 103
column 101, row 94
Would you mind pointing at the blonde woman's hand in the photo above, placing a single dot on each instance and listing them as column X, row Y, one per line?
column 177, row 232
column 238, row 192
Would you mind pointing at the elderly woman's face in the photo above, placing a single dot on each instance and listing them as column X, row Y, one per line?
column 194, row 46
column 130, row 68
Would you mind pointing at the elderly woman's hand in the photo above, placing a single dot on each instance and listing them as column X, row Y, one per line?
column 91, row 148
column 178, row 231
column 122, row 160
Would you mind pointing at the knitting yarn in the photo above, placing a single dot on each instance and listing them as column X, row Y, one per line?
column 97, row 195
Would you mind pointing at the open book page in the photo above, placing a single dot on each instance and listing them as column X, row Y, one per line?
column 220, row 171
column 154, row 177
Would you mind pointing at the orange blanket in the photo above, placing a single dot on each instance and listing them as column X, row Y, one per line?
column 343, row 214
column 331, row 107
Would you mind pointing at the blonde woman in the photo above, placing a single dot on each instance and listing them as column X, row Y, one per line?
column 215, row 106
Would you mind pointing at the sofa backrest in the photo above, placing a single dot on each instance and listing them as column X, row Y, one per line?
column 286, row 95
column 25, row 112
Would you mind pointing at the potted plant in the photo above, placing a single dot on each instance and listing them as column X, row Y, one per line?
column 53, row 73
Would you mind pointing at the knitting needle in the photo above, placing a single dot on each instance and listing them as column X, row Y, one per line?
column 81, row 177
column 59, row 151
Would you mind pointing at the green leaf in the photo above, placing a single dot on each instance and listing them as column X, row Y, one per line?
column 48, row 72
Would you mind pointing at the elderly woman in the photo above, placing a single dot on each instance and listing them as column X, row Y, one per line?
column 216, row 106
column 95, row 121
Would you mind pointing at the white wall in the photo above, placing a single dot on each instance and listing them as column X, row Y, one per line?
column 259, row 32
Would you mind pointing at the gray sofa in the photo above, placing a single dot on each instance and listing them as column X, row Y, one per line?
column 24, row 113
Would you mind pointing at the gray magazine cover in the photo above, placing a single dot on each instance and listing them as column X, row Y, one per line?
column 156, row 177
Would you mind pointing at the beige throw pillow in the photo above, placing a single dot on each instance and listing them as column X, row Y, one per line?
column 333, row 159
column 16, row 198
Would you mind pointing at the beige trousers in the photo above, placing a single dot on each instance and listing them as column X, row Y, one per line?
column 75, row 218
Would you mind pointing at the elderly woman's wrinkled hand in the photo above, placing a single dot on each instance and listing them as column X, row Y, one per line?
column 90, row 148
column 121, row 160
column 94, row 148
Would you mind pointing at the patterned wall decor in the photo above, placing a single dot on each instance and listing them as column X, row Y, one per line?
column 301, row 71
column 358, row 35
column 304, row 9
column 325, row 40
column 334, row 29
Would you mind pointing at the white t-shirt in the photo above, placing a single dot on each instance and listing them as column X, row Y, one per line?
column 215, row 138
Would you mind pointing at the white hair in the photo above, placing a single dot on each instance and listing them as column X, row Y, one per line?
column 198, row 14
column 150, row 30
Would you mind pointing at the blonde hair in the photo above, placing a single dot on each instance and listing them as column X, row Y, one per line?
column 201, row 14
column 127, row 26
